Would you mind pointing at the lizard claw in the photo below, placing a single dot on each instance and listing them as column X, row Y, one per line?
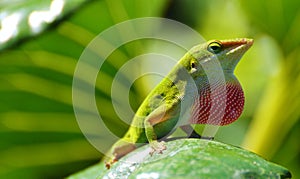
column 158, row 147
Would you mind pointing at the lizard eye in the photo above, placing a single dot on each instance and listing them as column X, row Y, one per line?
column 214, row 47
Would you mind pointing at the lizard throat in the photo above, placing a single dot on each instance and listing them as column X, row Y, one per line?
column 225, row 109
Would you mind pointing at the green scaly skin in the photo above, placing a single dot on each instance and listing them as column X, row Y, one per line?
column 160, row 111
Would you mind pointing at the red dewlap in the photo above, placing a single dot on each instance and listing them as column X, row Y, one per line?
column 222, row 113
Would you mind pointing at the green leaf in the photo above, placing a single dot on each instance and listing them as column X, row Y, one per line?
column 191, row 158
column 25, row 18
column 278, row 18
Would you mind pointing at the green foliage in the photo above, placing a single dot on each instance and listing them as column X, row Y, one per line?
column 24, row 19
column 277, row 113
column 191, row 158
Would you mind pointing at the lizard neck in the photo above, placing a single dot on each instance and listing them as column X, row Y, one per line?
column 226, row 107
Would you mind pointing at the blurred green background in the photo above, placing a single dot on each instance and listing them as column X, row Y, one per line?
column 39, row 134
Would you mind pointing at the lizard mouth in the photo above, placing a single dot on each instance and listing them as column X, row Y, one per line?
column 237, row 46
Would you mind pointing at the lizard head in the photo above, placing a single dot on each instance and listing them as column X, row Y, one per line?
column 228, row 53
column 211, row 66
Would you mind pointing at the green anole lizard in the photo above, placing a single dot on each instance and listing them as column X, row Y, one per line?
column 160, row 111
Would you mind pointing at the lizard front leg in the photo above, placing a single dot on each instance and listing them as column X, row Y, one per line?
column 157, row 116
column 152, row 139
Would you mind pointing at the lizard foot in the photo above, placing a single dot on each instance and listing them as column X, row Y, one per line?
column 158, row 147
column 109, row 164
